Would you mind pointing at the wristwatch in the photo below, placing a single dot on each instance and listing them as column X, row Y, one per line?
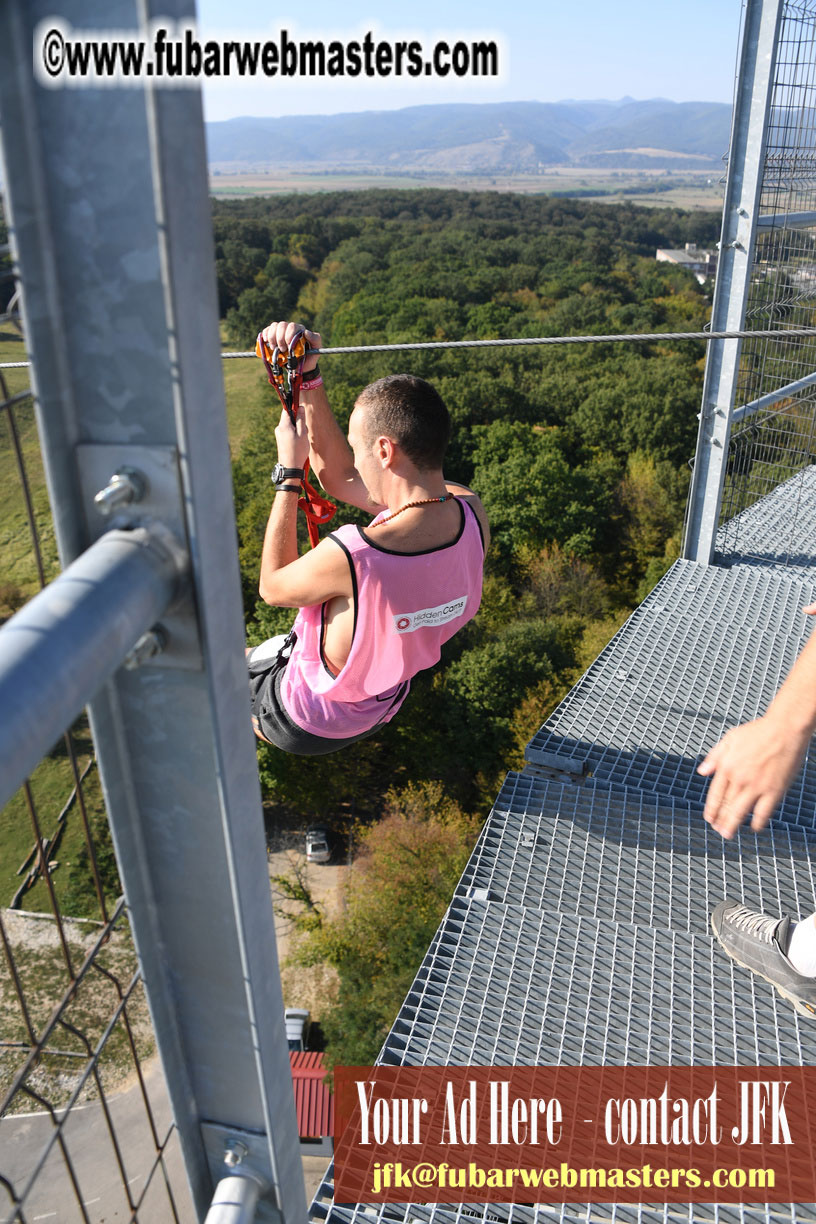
column 281, row 473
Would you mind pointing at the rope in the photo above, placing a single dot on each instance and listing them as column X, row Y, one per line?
column 630, row 337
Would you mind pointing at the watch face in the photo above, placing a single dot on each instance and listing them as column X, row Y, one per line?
column 281, row 473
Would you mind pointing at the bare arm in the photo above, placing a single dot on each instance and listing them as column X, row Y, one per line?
column 288, row 580
column 330, row 455
column 311, row 579
column 753, row 765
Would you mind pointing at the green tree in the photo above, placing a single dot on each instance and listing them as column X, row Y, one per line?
column 405, row 871
column 653, row 496
column 274, row 295
column 80, row 897
column 531, row 492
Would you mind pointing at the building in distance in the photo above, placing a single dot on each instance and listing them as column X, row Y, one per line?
column 701, row 262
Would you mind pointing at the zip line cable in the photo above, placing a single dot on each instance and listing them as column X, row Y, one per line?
column 767, row 334
column 518, row 343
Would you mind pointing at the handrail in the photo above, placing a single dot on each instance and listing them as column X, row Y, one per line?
column 61, row 647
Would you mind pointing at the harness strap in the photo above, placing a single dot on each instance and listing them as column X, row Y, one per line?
column 284, row 369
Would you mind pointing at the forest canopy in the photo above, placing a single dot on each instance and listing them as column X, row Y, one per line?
column 580, row 452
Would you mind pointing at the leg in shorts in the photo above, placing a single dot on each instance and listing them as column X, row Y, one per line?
column 266, row 664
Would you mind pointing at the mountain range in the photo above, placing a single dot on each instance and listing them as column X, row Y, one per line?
column 501, row 137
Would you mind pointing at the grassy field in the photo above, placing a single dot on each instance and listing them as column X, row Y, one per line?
column 37, row 954
column 52, row 781
column 244, row 382
column 51, row 786
column 693, row 189
column 44, row 979
column 18, row 570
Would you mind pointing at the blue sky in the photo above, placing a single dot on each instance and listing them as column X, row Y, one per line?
column 589, row 49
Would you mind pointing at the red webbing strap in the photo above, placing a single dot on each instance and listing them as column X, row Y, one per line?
column 284, row 370
column 318, row 509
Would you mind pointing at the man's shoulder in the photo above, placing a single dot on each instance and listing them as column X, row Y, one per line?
column 346, row 536
column 464, row 494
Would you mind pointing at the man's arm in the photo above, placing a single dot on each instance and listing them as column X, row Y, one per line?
column 754, row 765
column 288, row 580
column 330, row 456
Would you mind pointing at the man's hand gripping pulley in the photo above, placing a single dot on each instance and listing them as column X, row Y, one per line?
column 284, row 368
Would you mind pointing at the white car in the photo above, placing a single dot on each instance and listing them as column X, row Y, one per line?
column 318, row 848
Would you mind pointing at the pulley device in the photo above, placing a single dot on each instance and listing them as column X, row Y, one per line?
column 284, row 368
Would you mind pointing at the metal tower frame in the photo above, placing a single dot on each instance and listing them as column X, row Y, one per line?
column 110, row 229
column 766, row 278
column 752, row 102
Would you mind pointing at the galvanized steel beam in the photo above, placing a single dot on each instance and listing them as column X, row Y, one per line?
column 739, row 229
column 787, row 220
column 773, row 397
column 110, row 226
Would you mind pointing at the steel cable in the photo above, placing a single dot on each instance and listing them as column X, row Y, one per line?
column 519, row 342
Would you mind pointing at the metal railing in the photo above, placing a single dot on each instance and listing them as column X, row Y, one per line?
column 766, row 451
column 75, row 1028
column 768, row 271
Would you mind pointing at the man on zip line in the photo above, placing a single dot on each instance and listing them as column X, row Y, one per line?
column 376, row 603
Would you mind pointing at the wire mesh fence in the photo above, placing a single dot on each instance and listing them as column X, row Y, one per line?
column 772, row 445
column 85, row 1127
column 766, row 451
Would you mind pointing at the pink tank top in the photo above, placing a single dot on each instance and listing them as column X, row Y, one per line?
column 405, row 606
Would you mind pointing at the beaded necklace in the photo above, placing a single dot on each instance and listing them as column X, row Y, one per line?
column 425, row 501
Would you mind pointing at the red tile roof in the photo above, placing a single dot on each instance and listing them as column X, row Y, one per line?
column 313, row 1101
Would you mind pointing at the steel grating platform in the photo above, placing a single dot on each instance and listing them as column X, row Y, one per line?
column 623, row 856
column 505, row 985
column 579, row 932
column 777, row 532
column 571, row 1213
column 706, row 650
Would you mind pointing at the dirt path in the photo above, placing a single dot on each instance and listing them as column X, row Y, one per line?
column 311, row 986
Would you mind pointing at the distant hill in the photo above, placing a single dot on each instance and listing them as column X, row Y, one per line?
column 502, row 137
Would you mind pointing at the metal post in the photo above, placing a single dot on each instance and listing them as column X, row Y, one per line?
column 110, row 222
column 739, row 228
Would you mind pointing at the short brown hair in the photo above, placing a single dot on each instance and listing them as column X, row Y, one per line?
column 412, row 413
